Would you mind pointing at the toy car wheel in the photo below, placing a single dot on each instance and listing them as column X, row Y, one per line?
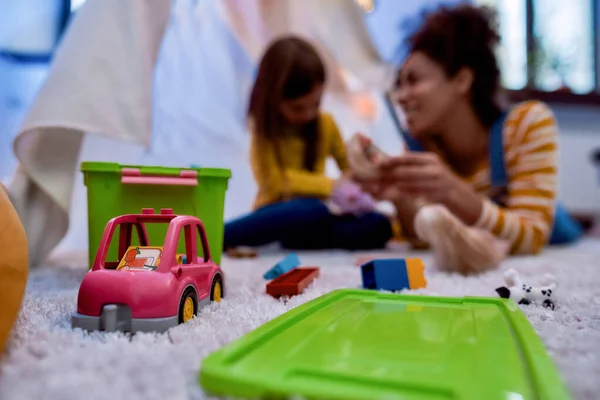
column 216, row 289
column 188, row 305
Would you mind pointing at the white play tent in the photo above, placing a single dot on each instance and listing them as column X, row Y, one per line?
column 147, row 82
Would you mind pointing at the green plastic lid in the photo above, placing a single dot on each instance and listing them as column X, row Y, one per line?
column 97, row 166
column 363, row 344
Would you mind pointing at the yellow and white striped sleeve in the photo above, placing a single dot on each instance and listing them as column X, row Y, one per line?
column 527, row 219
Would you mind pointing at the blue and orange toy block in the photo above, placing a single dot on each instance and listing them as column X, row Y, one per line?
column 287, row 264
column 394, row 274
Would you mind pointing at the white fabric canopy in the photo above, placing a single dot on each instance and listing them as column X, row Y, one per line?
column 100, row 82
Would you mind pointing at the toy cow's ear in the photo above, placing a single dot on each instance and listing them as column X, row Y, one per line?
column 503, row 292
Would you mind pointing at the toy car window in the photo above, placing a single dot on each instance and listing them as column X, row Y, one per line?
column 181, row 257
column 113, row 257
column 202, row 251
column 185, row 248
column 110, row 260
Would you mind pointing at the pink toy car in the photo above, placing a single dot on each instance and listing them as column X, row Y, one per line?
column 148, row 288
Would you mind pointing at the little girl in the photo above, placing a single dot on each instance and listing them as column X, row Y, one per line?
column 297, row 205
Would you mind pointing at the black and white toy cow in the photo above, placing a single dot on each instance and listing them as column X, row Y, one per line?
column 522, row 293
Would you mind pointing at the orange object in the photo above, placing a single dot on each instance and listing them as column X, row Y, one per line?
column 14, row 266
column 416, row 273
column 292, row 282
column 131, row 254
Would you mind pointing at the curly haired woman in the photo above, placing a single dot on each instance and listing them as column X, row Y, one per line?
column 479, row 181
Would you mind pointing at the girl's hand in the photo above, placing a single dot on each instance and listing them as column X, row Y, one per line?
column 420, row 174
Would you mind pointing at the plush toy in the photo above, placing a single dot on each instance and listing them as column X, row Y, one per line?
column 522, row 293
column 348, row 198
column 13, row 266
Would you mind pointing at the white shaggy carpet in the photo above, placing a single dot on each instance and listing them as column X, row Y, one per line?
column 49, row 360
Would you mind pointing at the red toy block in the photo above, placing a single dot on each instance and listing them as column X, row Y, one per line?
column 292, row 282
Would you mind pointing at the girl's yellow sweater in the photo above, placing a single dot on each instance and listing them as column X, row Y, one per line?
column 291, row 180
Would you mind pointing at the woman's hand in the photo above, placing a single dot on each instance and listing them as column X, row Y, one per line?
column 420, row 174
column 364, row 158
column 363, row 140
column 383, row 190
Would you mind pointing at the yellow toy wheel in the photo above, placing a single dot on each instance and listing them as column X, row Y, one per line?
column 188, row 309
column 188, row 306
column 216, row 290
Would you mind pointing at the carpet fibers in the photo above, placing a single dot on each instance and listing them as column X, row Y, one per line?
column 49, row 360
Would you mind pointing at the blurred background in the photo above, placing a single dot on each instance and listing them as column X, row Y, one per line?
column 549, row 51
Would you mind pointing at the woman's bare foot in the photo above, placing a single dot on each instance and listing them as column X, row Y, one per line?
column 458, row 247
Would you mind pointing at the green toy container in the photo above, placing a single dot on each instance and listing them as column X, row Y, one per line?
column 366, row 345
column 114, row 189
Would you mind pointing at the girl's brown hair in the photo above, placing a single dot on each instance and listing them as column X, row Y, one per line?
column 464, row 36
column 290, row 68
